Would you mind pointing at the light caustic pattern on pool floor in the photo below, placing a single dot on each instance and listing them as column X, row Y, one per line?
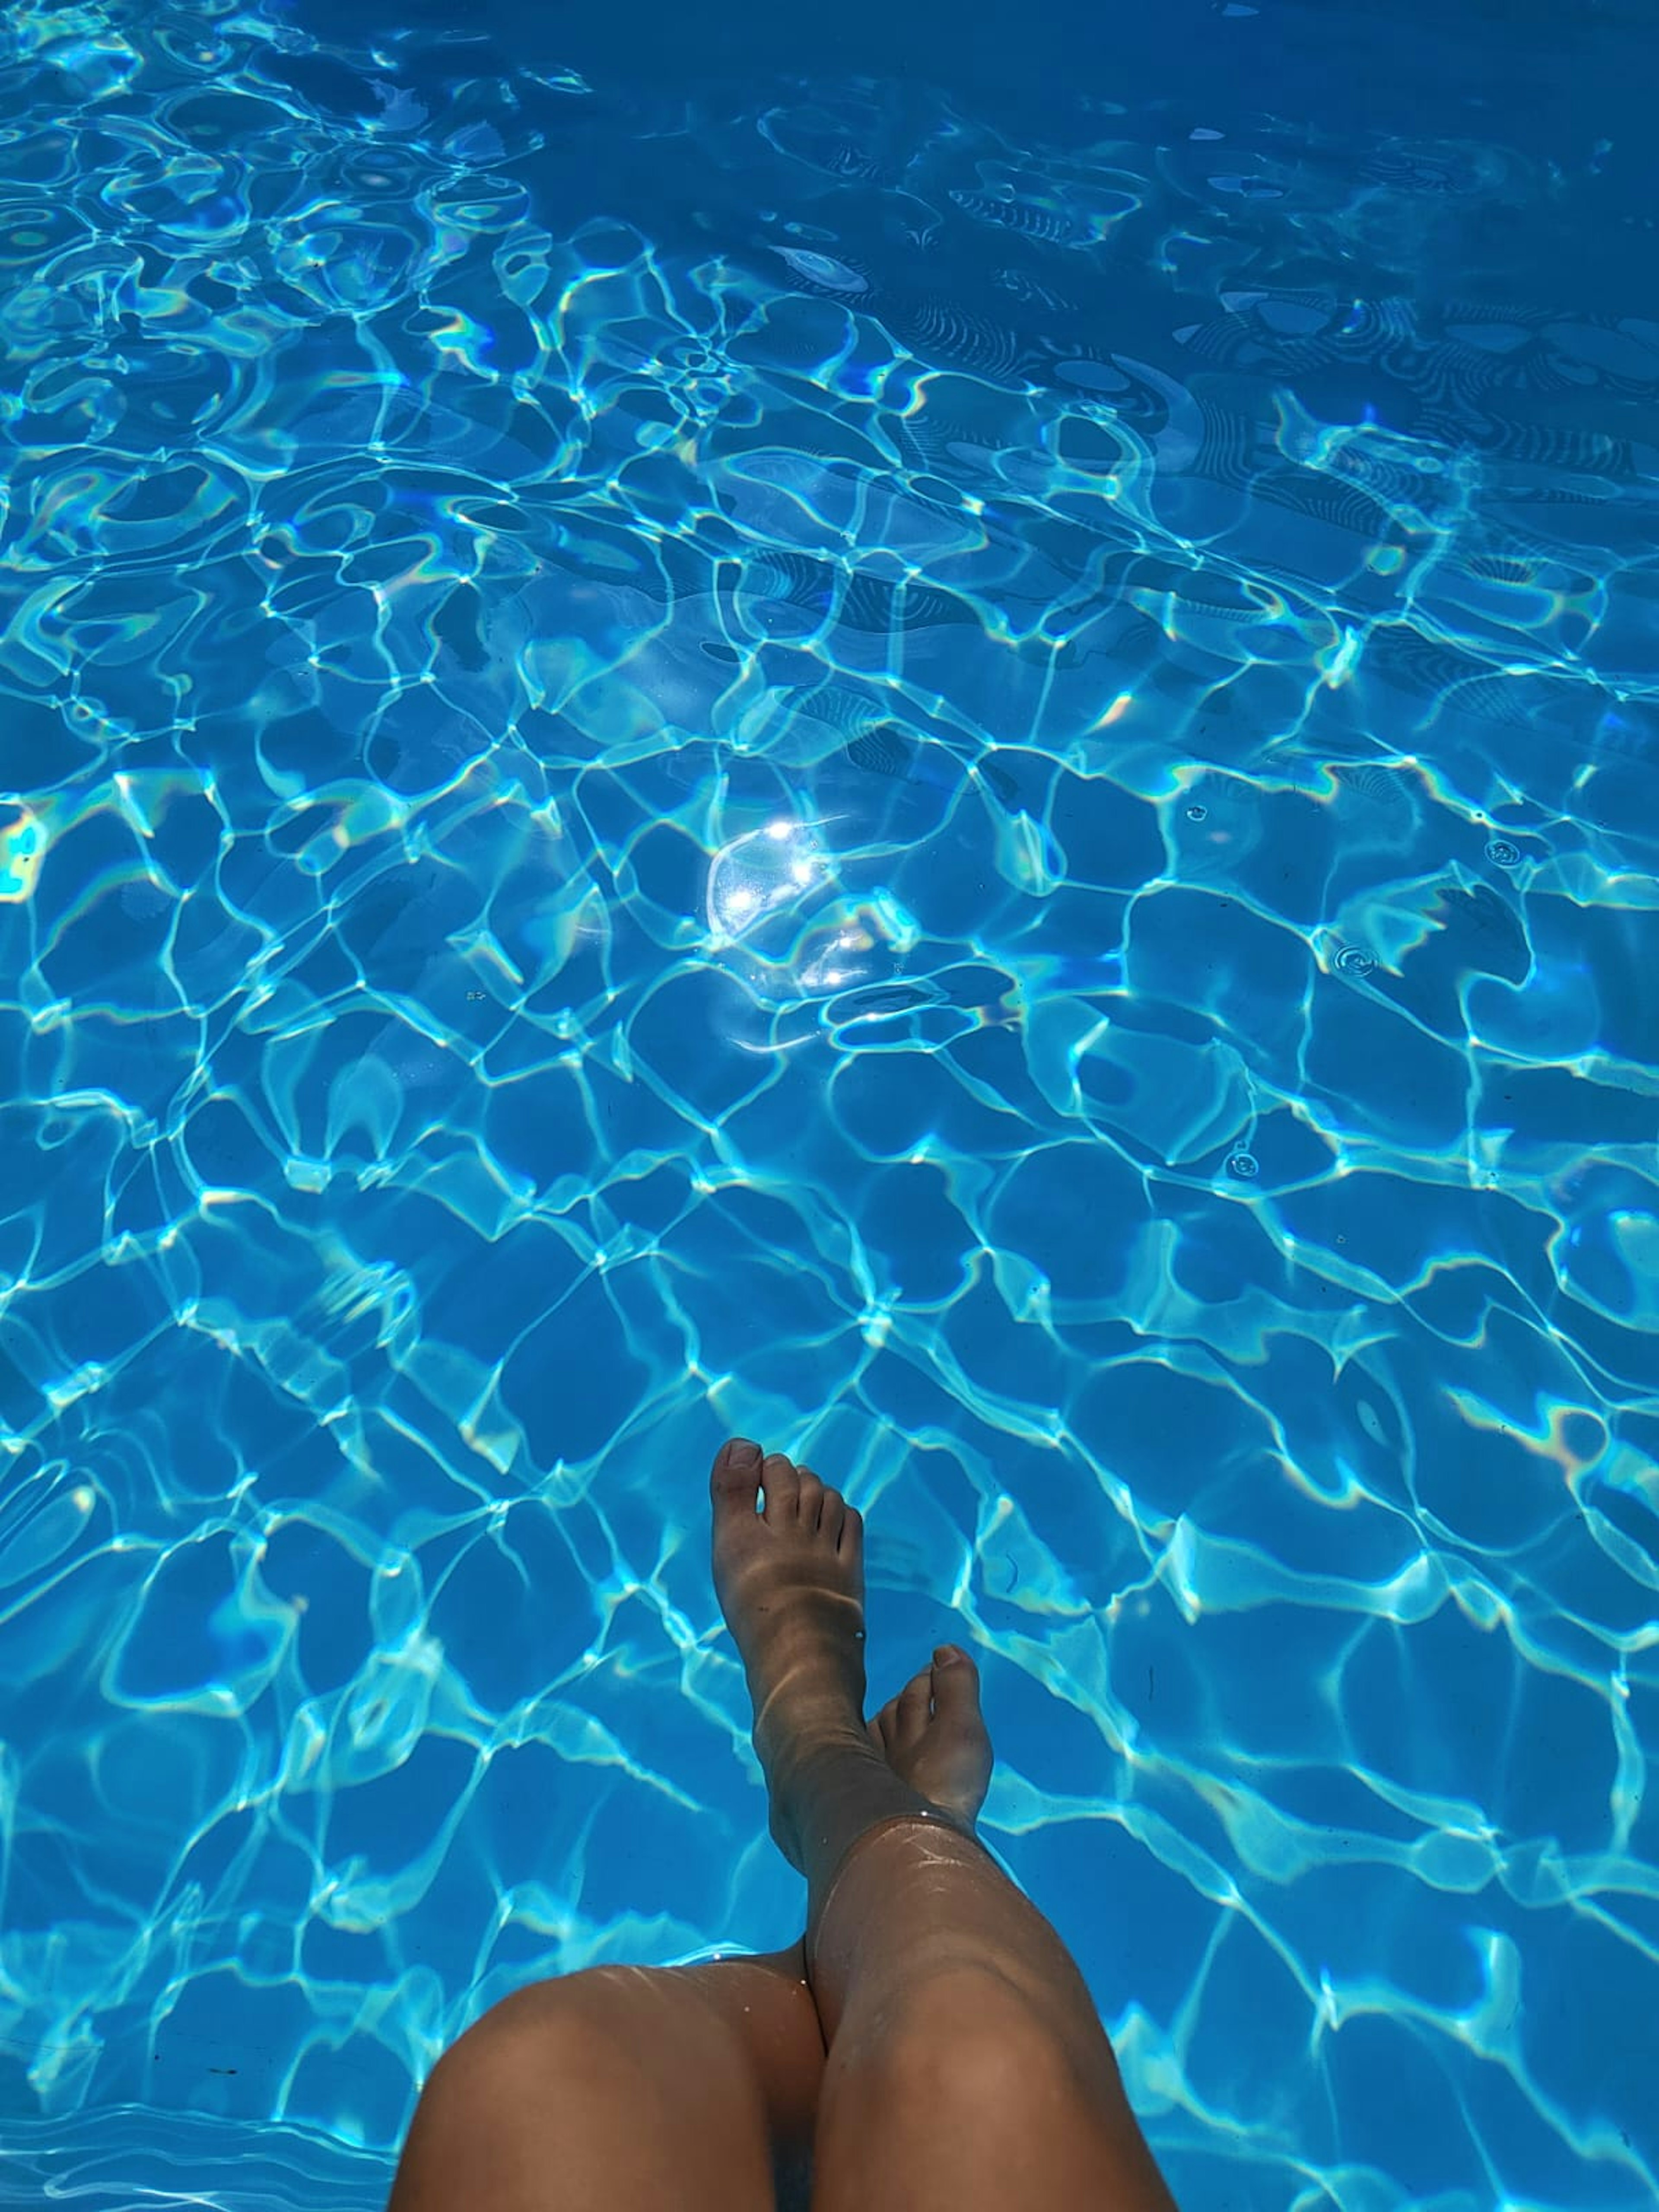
column 913, row 794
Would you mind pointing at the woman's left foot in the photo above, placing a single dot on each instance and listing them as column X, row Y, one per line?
column 933, row 1735
column 790, row 1583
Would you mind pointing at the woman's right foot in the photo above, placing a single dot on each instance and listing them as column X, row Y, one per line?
column 933, row 1737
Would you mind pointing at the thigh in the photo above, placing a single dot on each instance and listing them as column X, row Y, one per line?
column 608, row 2090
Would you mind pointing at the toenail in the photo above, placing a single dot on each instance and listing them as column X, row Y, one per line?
column 946, row 1655
column 740, row 1452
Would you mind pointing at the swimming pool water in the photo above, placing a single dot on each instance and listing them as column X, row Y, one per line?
column 935, row 742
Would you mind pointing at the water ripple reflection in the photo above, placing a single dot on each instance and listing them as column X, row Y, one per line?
column 981, row 806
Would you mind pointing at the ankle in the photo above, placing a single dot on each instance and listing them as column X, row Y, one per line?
column 791, row 1728
column 796, row 1760
column 837, row 1788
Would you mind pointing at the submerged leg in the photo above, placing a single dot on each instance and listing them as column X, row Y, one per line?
column 968, row 2067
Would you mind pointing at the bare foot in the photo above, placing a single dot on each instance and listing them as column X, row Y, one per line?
column 790, row 1582
column 933, row 1735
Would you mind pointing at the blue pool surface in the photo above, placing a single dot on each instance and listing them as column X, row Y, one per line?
column 937, row 739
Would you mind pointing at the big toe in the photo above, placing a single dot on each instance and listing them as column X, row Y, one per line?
column 956, row 1690
column 734, row 1479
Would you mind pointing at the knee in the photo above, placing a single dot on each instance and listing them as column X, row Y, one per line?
column 973, row 2034
column 543, row 2024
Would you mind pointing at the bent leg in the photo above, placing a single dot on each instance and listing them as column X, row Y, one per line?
column 968, row 2069
column 922, row 1953
column 624, row 2086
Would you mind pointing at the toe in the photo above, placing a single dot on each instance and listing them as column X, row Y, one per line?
column 810, row 1503
column 913, row 1702
column 850, row 1543
column 832, row 1514
column 781, row 1481
column 956, row 1685
column 886, row 1723
column 735, row 1476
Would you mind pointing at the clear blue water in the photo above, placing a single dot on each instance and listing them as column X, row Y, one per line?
column 936, row 742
